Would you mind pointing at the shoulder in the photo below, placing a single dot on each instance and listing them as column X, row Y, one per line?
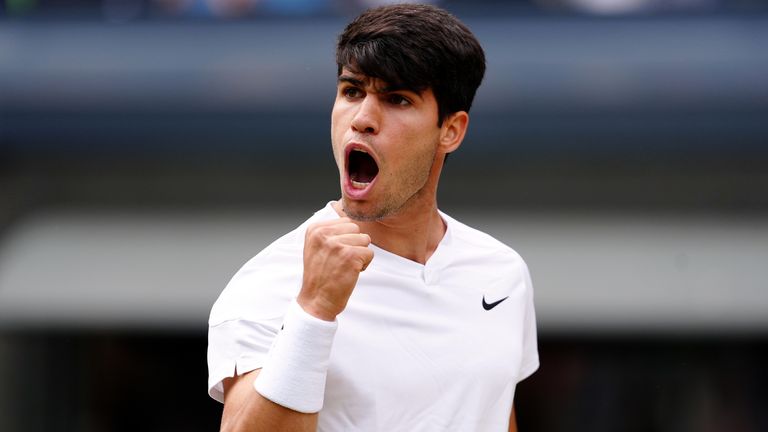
column 266, row 283
column 472, row 241
column 479, row 253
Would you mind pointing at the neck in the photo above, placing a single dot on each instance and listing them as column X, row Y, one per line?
column 411, row 235
column 414, row 235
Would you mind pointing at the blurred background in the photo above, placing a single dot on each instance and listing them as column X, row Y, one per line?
column 148, row 148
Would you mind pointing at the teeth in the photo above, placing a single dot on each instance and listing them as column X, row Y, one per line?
column 360, row 150
column 359, row 185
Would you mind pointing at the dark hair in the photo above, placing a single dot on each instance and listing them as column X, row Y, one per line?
column 415, row 47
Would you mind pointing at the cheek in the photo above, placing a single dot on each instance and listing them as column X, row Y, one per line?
column 337, row 116
column 338, row 156
column 423, row 145
column 339, row 126
column 337, row 137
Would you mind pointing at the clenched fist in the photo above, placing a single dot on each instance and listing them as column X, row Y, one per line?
column 335, row 252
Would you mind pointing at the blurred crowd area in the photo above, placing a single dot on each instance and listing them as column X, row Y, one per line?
column 621, row 146
column 123, row 10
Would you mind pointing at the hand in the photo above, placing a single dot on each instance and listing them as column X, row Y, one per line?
column 335, row 252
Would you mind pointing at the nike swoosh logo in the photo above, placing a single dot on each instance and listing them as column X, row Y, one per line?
column 489, row 306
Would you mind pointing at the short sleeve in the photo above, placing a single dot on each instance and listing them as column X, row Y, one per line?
column 236, row 347
column 249, row 312
column 530, row 361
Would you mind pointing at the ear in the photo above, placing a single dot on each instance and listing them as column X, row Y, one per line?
column 452, row 131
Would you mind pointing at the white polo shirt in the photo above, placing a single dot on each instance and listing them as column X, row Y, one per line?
column 434, row 347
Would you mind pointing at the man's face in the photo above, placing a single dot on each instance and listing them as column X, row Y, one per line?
column 385, row 144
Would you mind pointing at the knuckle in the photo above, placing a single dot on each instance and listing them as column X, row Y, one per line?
column 323, row 233
column 346, row 253
column 314, row 230
column 310, row 231
column 337, row 247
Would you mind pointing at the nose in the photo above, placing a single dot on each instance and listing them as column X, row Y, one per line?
column 367, row 117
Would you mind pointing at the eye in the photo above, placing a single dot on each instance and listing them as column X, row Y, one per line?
column 397, row 99
column 352, row 92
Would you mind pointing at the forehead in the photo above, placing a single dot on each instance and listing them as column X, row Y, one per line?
column 360, row 79
column 348, row 75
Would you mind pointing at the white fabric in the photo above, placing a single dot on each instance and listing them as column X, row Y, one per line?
column 294, row 372
column 414, row 350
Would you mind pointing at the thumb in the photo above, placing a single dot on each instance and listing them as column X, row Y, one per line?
column 367, row 258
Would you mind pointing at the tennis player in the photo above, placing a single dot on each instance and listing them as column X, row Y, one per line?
column 381, row 312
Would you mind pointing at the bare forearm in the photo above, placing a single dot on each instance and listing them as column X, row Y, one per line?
column 259, row 414
column 513, row 421
column 246, row 410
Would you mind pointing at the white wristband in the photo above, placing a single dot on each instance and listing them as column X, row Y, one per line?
column 294, row 372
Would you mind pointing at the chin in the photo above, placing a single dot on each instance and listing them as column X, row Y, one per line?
column 362, row 214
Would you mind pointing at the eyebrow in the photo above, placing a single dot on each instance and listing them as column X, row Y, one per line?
column 364, row 82
column 351, row 80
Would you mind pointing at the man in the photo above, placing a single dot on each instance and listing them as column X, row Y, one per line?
column 381, row 313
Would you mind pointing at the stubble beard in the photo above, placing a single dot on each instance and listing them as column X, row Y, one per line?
column 363, row 217
column 389, row 209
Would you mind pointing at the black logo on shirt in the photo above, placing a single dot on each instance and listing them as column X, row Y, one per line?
column 489, row 306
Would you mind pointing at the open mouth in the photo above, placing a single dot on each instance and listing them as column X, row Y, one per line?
column 361, row 168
